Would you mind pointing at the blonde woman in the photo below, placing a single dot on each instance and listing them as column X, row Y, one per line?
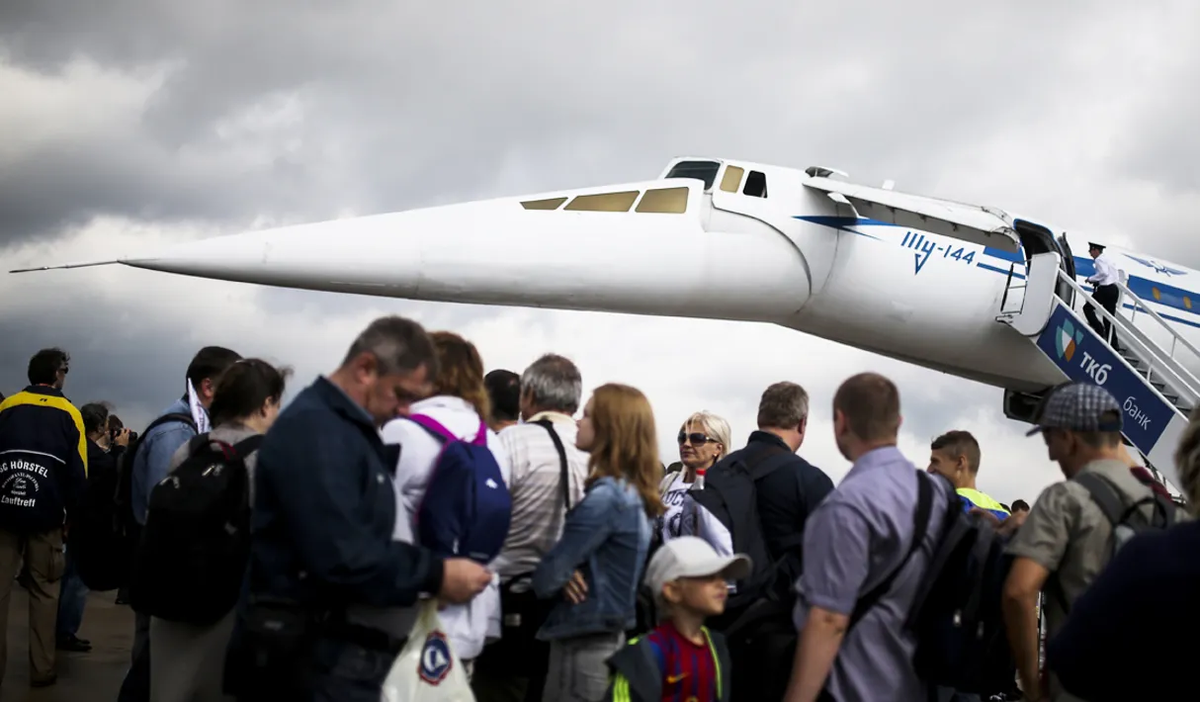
column 597, row 564
column 703, row 440
column 1147, row 592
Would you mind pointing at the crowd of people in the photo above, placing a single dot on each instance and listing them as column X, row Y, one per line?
column 288, row 553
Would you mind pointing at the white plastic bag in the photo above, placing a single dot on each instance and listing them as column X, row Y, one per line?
column 427, row 670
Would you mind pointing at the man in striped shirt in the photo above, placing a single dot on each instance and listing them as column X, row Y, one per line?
column 540, row 449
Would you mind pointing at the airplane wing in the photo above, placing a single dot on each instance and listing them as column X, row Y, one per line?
column 977, row 224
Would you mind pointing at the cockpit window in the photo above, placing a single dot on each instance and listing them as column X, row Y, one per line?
column 665, row 200
column 756, row 185
column 604, row 202
column 655, row 200
column 700, row 170
column 732, row 178
column 551, row 204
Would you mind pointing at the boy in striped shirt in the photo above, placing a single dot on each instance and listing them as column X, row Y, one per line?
column 681, row 660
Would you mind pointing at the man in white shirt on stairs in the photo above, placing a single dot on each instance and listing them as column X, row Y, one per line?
column 1104, row 282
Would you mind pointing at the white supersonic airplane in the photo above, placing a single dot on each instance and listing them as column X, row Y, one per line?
column 972, row 291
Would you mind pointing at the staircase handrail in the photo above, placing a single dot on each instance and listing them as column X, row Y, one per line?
column 1157, row 317
column 1189, row 381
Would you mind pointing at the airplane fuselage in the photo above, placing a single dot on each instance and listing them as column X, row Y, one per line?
column 933, row 301
column 709, row 239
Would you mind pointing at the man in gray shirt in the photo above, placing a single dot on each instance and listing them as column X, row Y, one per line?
column 1064, row 543
column 855, row 540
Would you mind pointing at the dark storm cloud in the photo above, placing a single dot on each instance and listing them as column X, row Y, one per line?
column 139, row 369
column 53, row 189
column 405, row 107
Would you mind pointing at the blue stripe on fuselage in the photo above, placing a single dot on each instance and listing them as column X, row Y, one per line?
column 844, row 223
column 1162, row 294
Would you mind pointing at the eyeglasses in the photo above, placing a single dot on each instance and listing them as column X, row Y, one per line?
column 64, row 370
column 696, row 438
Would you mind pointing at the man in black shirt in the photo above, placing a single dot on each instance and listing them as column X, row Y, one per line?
column 767, row 522
column 324, row 517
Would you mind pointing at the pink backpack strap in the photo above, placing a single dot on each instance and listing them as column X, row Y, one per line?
column 436, row 427
column 433, row 426
column 481, row 437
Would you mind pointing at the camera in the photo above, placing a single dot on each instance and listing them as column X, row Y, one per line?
column 114, row 433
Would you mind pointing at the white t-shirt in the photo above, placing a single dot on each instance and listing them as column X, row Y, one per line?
column 668, row 525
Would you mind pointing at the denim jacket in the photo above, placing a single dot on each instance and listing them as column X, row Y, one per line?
column 606, row 537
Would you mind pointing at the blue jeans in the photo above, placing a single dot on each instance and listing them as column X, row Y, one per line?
column 71, row 599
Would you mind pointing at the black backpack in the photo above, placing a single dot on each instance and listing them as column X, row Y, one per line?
column 962, row 641
column 1128, row 521
column 730, row 493
column 195, row 545
column 104, row 532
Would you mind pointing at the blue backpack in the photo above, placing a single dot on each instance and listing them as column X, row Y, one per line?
column 467, row 509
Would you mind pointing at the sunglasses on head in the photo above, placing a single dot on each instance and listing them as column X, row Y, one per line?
column 695, row 437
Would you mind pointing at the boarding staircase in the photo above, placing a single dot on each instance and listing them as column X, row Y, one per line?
column 1156, row 391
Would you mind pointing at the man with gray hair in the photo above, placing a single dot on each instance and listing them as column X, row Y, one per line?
column 548, row 473
column 326, row 578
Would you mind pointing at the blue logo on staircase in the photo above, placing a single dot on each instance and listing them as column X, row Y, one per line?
column 1067, row 340
column 1084, row 357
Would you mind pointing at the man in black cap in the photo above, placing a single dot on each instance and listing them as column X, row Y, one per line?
column 1104, row 281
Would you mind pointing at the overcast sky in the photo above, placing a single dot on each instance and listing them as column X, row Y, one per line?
column 134, row 123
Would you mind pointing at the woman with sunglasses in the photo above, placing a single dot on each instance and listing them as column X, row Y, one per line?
column 703, row 440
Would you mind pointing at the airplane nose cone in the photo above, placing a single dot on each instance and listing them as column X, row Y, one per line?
column 511, row 252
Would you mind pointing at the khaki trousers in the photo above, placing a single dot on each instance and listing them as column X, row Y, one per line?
column 44, row 555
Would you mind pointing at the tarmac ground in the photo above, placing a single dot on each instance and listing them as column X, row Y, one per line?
column 92, row 676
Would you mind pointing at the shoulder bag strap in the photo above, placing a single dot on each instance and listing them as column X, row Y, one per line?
column 767, row 465
column 564, row 473
column 434, row 427
column 248, row 445
column 920, row 527
column 1105, row 495
column 197, row 441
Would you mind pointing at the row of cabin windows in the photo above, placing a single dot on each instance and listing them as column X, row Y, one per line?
column 658, row 200
column 753, row 185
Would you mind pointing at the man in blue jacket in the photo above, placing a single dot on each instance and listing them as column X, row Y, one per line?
column 43, row 471
column 324, row 616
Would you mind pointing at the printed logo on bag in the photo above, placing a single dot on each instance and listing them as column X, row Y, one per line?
column 435, row 658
